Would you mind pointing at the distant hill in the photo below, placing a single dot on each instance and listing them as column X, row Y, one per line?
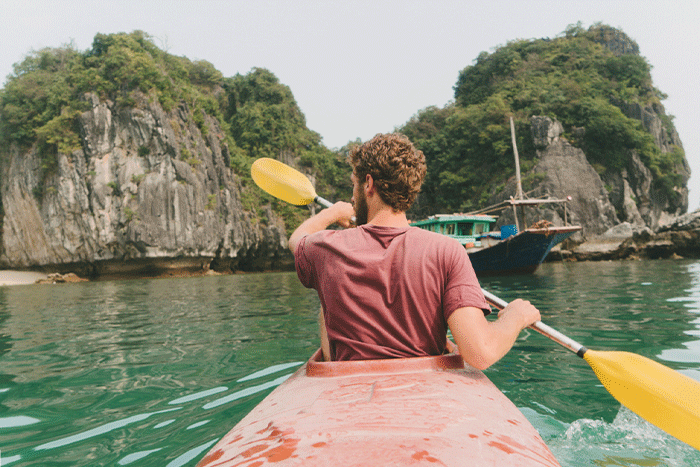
column 594, row 82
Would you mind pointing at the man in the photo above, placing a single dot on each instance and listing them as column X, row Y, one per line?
column 391, row 290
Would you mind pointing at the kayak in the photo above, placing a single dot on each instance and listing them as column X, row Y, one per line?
column 433, row 411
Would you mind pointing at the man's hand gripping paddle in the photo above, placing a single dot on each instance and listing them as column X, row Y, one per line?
column 658, row 394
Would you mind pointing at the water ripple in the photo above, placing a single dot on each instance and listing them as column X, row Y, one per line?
column 77, row 358
column 100, row 430
column 246, row 392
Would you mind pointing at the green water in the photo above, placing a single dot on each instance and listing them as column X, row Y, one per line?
column 153, row 372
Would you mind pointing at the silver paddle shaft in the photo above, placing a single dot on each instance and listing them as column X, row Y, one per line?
column 542, row 328
column 326, row 204
column 323, row 202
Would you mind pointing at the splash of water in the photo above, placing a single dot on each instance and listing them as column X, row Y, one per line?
column 595, row 442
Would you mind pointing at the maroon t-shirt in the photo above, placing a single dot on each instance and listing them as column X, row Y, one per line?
column 387, row 291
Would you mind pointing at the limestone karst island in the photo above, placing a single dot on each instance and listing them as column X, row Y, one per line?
column 125, row 160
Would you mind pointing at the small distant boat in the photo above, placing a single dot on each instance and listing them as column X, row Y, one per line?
column 507, row 251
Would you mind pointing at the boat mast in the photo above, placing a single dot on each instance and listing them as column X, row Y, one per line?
column 517, row 160
column 517, row 172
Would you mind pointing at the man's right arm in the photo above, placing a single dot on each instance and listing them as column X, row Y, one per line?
column 481, row 342
column 340, row 213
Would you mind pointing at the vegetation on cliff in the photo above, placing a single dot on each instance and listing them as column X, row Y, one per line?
column 257, row 114
column 264, row 120
column 580, row 78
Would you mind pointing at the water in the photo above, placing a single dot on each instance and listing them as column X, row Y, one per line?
column 154, row 372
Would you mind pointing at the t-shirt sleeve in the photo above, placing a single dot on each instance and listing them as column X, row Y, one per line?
column 462, row 288
column 303, row 265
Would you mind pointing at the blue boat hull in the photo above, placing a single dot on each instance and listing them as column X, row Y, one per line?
column 519, row 254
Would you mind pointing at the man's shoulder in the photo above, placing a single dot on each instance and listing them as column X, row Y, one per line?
column 433, row 237
column 329, row 236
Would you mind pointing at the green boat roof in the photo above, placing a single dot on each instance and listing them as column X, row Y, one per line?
column 444, row 218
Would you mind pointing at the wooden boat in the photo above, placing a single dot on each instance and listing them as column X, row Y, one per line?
column 506, row 251
column 400, row 412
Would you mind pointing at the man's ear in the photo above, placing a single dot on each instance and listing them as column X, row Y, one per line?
column 369, row 185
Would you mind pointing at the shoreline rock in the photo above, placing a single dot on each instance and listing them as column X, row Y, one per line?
column 58, row 278
column 679, row 239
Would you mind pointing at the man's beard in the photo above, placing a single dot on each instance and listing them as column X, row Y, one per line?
column 361, row 209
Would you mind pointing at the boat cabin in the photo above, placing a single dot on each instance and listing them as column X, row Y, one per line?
column 465, row 228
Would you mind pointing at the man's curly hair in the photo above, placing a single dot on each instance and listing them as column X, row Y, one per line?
column 396, row 166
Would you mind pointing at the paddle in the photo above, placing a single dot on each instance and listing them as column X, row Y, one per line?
column 658, row 394
column 285, row 183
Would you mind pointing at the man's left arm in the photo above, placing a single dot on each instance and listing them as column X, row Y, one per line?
column 482, row 343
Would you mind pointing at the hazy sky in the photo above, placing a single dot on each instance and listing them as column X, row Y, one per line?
column 358, row 68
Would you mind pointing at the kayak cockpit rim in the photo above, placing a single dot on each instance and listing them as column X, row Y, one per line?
column 316, row 367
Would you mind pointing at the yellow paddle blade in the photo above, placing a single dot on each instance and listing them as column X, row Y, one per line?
column 658, row 394
column 283, row 182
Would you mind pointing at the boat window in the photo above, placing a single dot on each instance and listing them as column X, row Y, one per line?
column 465, row 228
column 449, row 229
column 479, row 229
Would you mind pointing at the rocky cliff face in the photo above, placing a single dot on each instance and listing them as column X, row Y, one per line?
column 598, row 203
column 654, row 208
column 148, row 191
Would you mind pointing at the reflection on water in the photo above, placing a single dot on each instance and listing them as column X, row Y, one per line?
column 99, row 369
column 12, row 422
column 100, row 430
column 18, row 421
column 690, row 300
column 154, row 372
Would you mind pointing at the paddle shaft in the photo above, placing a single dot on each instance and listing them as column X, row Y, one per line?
column 323, row 202
column 542, row 328
column 326, row 204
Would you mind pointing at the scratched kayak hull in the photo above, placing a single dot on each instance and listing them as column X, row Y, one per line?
column 418, row 411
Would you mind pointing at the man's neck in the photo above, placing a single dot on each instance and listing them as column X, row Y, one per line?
column 387, row 217
column 381, row 214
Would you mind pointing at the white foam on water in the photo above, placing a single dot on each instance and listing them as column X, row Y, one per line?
column 628, row 441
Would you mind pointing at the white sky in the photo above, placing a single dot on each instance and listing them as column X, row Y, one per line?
column 358, row 68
